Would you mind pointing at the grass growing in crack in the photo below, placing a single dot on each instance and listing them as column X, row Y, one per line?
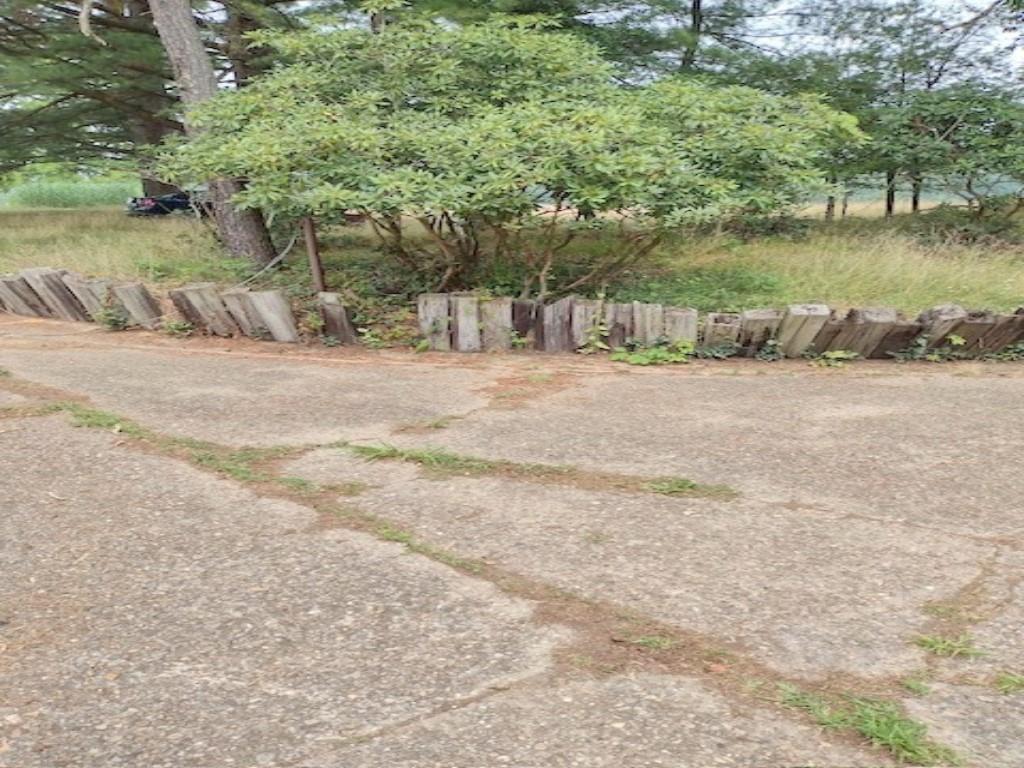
column 4, row 372
column 882, row 723
column 961, row 646
column 300, row 484
column 1008, row 683
column 91, row 418
column 388, row 532
column 445, row 462
column 916, row 686
column 654, row 642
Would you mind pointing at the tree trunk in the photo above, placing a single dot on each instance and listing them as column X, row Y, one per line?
column 830, row 202
column 915, row 193
column 243, row 232
column 846, row 205
column 890, row 194
column 694, row 31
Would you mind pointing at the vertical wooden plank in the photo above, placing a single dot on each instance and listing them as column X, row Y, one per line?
column 337, row 318
column 973, row 328
column 236, row 302
column 496, row 324
column 800, row 324
column 680, row 325
column 940, row 321
column 434, row 317
column 756, row 327
column 648, row 323
column 524, row 315
column 864, row 329
column 49, row 286
column 142, row 309
column 274, row 314
column 94, row 295
column 466, row 324
column 586, row 313
column 900, row 336
column 619, row 319
column 1007, row 330
column 557, row 325
column 824, row 338
column 20, row 299
column 721, row 328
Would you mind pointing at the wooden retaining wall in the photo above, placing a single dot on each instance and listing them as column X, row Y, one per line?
column 465, row 322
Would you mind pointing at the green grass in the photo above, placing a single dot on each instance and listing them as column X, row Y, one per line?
column 654, row 642
column 961, row 646
column 882, row 723
column 1008, row 683
column 916, row 686
column 671, row 486
column 76, row 193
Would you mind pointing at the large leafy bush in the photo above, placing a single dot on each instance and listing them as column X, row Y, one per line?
column 500, row 140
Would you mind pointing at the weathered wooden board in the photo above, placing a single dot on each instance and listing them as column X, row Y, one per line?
column 236, row 302
column 758, row 326
column 973, row 328
column 466, row 324
column 900, row 336
column 586, row 315
column 720, row 328
column 648, row 323
column 435, row 320
column 337, row 318
column 800, row 324
column 1007, row 330
column 202, row 306
column 556, row 324
column 93, row 294
column 864, row 329
column 140, row 306
column 496, row 324
column 939, row 322
column 619, row 319
column 19, row 298
column 524, row 317
column 49, row 286
column 681, row 325
column 274, row 315
column 826, row 335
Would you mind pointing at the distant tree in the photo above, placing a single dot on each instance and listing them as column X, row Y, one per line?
column 499, row 140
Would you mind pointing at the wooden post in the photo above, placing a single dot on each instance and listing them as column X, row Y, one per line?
column 140, row 306
column 274, row 314
column 496, row 324
column 19, row 298
column 94, row 295
column 337, row 319
column 236, row 302
column 758, row 326
column 619, row 319
column 800, row 324
column 864, row 329
column 648, row 323
column 556, row 322
column 524, row 318
column 825, row 337
column 202, row 306
column 721, row 328
column 900, row 336
column 435, row 323
column 681, row 325
column 316, row 267
column 941, row 321
column 49, row 286
column 466, row 324
column 1007, row 330
column 586, row 313
column 973, row 328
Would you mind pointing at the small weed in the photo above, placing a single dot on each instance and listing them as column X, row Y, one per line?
column 663, row 354
column 654, row 642
column 596, row 537
column 434, row 458
column 423, row 345
column 1011, row 354
column 113, row 318
column 1008, row 683
column 178, row 328
column 835, row 358
column 722, row 351
column 390, row 533
column 916, row 686
column 961, row 646
column 880, row 722
column 770, row 351
column 330, row 341
column 519, row 342
column 919, row 350
column 297, row 484
column 4, row 373
column 671, row 486
column 597, row 334
column 371, row 339
column 90, row 418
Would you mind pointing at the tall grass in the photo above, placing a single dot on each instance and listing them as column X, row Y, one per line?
column 109, row 243
column 78, row 193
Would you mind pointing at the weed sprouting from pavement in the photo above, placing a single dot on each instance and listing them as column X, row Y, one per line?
column 916, row 686
column 444, row 462
column 654, row 642
column 882, row 723
column 961, row 646
column 1008, row 683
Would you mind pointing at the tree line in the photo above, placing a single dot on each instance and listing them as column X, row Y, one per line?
column 931, row 86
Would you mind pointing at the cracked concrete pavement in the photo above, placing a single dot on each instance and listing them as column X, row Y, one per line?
column 153, row 613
